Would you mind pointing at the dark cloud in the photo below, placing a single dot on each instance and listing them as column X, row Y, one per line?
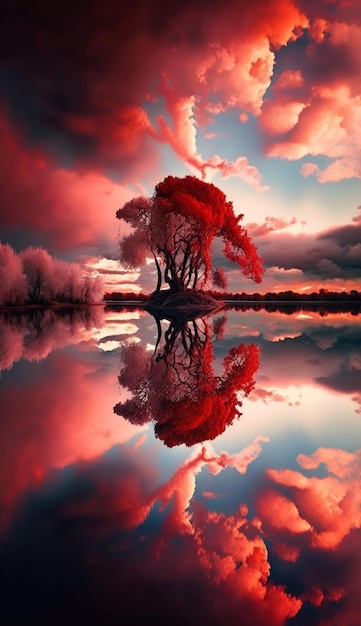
column 67, row 70
column 73, row 74
column 347, row 235
column 335, row 252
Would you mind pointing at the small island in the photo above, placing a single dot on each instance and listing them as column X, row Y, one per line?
column 176, row 227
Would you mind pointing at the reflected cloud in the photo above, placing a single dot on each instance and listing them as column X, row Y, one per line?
column 299, row 352
column 328, row 507
column 317, row 522
column 140, row 536
column 53, row 416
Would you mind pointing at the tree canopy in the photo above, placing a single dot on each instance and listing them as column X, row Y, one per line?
column 177, row 388
column 177, row 227
column 35, row 277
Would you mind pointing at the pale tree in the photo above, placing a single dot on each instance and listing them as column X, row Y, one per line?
column 177, row 227
column 35, row 277
column 38, row 268
column 13, row 286
column 70, row 284
column 92, row 289
column 59, row 280
column 74, row 283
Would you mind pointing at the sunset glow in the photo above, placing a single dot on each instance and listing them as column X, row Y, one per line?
column 263, row 100
column 180, row 308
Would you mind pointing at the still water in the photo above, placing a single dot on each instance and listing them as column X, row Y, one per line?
column 192, row 472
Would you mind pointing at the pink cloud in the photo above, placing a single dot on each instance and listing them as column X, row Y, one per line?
column 309, row 169
column 286, row 552
column 209, row 495
column 234, row 557
column 65, row 417
column 316, row 108
column 68, row 208
column 199, row 64
column 175, row 495
column 278, row 512
column 270, row 225
column 225, row 554
column 100, row 114
column 181, row 136
column 279, row 117
column 270, row 395
column 327, row 507
column 181, row 487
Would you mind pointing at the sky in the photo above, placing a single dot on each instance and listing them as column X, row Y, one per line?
column 99, row 101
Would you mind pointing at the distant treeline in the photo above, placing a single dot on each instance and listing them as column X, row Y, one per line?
column 323, row 295
column 126, row 296
column 35, row 277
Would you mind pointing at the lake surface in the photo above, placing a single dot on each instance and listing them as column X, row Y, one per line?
column 200, row 472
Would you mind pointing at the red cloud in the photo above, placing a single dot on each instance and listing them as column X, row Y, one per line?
column 68, row 208
column 132, row 60
column 328, row 507
column 316, row 108
column 278, row 512
column 234, row 557
column 201, row 62
column 62, row 418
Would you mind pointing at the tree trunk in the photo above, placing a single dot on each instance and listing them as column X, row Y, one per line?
column 159, row 274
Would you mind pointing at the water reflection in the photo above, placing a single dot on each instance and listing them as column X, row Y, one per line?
column 34, row 334
column 100, row 521
column 176, row 386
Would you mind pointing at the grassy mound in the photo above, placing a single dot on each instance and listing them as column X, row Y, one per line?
column 188, row 304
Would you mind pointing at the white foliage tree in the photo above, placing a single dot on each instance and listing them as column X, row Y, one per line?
column 38, row 268
column 35, row 277
column 13, row 286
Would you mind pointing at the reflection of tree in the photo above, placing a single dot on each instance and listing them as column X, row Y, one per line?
column 177, row 387
column 33, row 334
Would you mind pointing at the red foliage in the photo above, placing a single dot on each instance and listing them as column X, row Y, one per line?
column 181, row 221
column 178, row 390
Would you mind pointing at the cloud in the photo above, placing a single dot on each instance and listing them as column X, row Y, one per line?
column 270, row 395
column 100, row 88
column 270, row 225
column 332, row 253
column 315, row 105
column 62, row 417
column 85, row 96
column 223, row 557
column 279, row 512
column 68, row 208
column 327, row 508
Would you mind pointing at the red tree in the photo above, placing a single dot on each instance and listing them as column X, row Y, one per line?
column 177, row 227
column 176, row 387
